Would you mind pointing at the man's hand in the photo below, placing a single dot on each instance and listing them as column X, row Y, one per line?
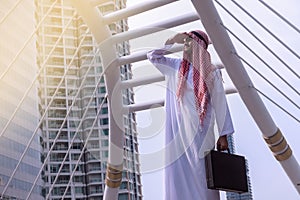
column 178, row 38
column 222, row 143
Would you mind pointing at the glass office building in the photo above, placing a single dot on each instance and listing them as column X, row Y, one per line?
column 73, row 106
column 20, row 152
column 233, row 195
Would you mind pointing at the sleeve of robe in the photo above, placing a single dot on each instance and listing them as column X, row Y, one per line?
column 219, row 103
column 163, row 63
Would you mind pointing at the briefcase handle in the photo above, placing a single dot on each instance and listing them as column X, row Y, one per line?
column 228, row 150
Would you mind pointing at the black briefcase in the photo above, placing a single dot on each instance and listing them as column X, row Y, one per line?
column 225, row 171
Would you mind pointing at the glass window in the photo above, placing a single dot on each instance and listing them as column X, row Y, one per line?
column 78, row 190
column 104, row 132
column 102, row 90
column 105, row 154
column 123, row 185
column 104, row 110
column 123, row 197
column 104, row 121
column 104, row 143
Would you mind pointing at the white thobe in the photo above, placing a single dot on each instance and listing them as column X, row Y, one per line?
column 186, row 140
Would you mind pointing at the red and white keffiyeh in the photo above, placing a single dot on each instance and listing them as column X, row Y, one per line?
column 202, row 68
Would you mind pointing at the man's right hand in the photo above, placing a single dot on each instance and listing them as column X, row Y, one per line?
column 222, row 143
column 178, row 38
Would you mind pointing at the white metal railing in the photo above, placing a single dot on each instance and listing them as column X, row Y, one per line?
column 222, row 43
column 227, row 53
column 280, row 16
column 266, row 29
column 265, row 45
column 134, row 10
column 156, row 27
column 269, row 49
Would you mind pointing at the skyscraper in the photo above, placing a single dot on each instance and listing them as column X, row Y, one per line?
column 233, row 195
column 73, row 106
column 20, row 152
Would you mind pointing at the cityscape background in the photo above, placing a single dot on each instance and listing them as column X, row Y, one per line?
column 53, row 106
column 54, row 112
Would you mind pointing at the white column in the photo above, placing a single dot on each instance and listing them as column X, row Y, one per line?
column 93, row 18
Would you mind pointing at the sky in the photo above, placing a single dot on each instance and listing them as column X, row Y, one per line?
column 268, row 179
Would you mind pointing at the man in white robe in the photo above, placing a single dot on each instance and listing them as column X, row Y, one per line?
column 190, row 118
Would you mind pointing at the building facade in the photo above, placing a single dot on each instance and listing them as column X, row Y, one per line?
column 73, row 106
column 20, row 152
column 233, row 195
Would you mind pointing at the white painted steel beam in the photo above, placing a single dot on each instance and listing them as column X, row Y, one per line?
column 133, row 57
column 138, row 8
column 141, row 81
column 158, row 103
column 144, row 106
column 94, row 19
column 142, row 55
column 226, row 51
column 155, row 27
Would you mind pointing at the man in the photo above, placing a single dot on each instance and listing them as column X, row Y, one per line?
column 195, row 98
